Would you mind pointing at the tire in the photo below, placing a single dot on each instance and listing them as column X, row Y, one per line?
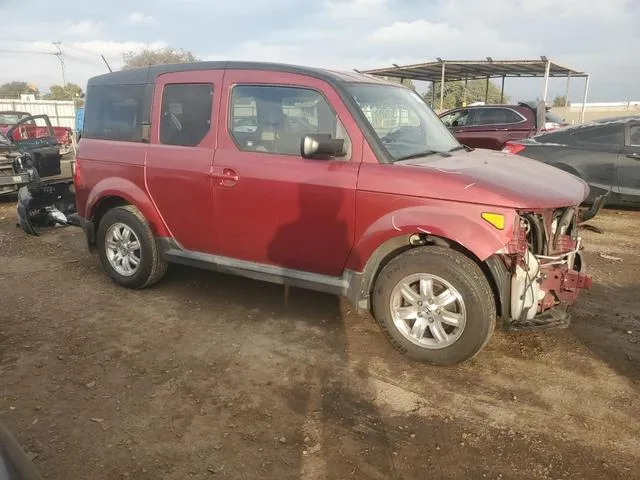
column 473, row 307
column 151, row 264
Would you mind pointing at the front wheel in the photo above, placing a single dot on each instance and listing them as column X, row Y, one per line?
column 435, row 305
column 127, row 248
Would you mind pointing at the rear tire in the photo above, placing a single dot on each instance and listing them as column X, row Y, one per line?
column 435, row 305
column 127, row 248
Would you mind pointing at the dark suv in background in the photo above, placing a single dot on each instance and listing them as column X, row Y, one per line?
column 491, row 126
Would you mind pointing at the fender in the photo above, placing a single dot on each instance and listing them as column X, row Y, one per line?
column 132, row 193
column 392, row 233
column 464, row 226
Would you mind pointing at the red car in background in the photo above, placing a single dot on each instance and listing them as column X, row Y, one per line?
column 31, row 130
column 492, row 126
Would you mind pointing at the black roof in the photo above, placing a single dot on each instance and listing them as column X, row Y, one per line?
column 145, row 75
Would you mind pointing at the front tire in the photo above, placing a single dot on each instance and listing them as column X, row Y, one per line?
column 435, row 305
column 127, row 248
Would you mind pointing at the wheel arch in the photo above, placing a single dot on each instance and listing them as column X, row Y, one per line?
column 113, row 192
column 493, row 268
column 102, row 206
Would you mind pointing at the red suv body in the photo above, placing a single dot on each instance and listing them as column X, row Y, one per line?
column 331, row 181
column 492, row 126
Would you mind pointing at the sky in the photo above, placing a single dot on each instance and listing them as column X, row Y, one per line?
column 594, row 36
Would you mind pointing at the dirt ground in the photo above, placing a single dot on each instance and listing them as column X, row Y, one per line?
column 210, row 376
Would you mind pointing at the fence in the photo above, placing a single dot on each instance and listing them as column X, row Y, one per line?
column 61, row 112
column 595, row 111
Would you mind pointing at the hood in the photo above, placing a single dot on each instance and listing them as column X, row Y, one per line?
column 501, row 179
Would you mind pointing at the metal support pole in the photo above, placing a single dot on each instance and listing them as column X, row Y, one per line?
column 502, row 90
column 566, row 92
column 464, row 92
column 546, row 82
column 433, row 94
column 442, row 88
column 486, row 91
column 584, row 99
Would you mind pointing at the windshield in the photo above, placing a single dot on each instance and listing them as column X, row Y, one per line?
column 402, row 121
column 552, row 117
column 10, row 118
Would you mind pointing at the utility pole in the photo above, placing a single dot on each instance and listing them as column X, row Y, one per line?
column 60, row 55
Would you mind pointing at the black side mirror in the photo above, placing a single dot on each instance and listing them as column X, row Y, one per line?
column 321, row 145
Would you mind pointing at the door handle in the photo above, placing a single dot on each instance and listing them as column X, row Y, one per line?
column 635, row 156
column 228, row 178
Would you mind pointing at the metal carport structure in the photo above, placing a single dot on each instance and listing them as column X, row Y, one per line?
column 464, row 70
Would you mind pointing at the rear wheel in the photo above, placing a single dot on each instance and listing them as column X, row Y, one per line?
column 435, row 305
column 127, row 248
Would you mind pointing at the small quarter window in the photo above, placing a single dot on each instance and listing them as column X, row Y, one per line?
column 186, row 113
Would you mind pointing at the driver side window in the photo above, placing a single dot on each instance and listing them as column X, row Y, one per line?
column 459, row 118
column 274, row 119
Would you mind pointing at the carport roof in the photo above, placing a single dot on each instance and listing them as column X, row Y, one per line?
column 455, row 70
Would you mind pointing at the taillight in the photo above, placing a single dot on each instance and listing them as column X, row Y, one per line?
column 514, row 148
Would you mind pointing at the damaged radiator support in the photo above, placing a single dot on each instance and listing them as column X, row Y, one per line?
column 42, row 205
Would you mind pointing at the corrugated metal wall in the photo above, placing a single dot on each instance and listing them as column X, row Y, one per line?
column 61, row 112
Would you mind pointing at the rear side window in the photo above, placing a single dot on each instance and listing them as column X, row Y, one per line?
column 114, row 113
column 495, row 116
column 601, row 135
column 186, row 113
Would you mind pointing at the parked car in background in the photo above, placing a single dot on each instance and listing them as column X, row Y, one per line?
column 28, row 158
column 324, row 186
column 604, row 153
column 30, row 129
column 491, row 126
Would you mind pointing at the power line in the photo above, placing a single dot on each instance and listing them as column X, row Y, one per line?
column 8, row 50
column 60, row 56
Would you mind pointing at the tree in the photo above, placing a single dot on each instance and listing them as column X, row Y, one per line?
column 560, row 101
column 147, row 57
column 454, row 95
column 15, row 89
column 404, row 81
column 58, row 92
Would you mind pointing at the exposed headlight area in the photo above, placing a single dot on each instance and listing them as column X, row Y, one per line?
column 546, row 267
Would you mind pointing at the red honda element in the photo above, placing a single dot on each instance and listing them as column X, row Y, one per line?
column 338, row 182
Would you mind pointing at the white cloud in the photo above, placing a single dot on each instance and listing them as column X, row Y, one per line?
column 354, row 9
column 418, row 31
column 83, row 28
column 113, row 49
column 139, row 18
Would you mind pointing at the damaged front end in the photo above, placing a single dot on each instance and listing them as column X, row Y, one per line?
column 546, row 268
column 46, row 205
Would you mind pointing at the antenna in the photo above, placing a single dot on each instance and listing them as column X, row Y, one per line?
column 60, row 55
column 106, row 63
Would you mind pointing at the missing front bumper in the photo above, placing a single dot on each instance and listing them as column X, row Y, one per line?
column 556, row 317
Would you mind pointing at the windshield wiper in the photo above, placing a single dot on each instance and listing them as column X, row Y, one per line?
column 461, row 147
column 424, row 153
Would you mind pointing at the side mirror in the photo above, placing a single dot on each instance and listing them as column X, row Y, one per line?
column 321, row 145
